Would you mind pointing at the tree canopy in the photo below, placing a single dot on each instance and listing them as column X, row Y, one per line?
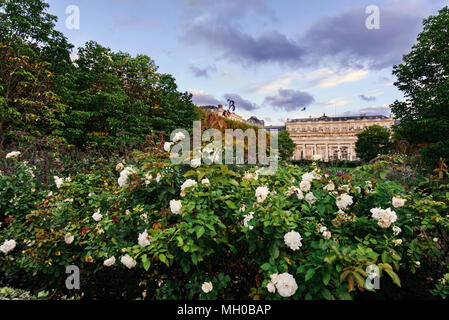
column 103, row 98
column 373, row 141
column 423, row 77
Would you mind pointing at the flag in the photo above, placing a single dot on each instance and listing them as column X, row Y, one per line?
column 303, row 109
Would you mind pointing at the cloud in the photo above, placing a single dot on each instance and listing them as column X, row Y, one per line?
column 370, row 111
column 345, row 38
column 326, row 78
column 337, row 102
column 290, row 100
column 341, row 39
column 241, row 103
column 367, row 98
column 203, row 98
column 202, row 72
column 282, row 81
column 271, row 46
column 230, row 10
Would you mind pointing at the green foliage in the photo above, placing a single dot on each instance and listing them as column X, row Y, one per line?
column 372, row 142
column 424, row 116
column 221, row 233
column 286, row 145
column 103, row 99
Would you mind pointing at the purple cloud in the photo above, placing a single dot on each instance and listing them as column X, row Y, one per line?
column 367, row 98
column 290, row 100
column 342, row 39
column 241, row 103
column 202, row 72
column 203, row 98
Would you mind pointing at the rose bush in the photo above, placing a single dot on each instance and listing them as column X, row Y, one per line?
column 156, row 230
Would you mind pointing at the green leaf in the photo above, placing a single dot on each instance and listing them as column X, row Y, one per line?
column 146, row 264
column 309, row 274
column 199, row 232
column 326, row 278
column 231, row 204
column 326, row 294
column 393, row 277
column 265, row 266
column 163, row 259
column 274, row 251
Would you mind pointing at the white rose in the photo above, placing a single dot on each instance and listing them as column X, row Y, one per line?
column 271, row 288
column 195, row 163
column 330, row 186
column 144, row 239
column 205, row 181
column 187, row 184
column 7, row 246
column 119, row 166
column 207, row 287
column 13, row 154
column 178, row 137
column 308, row 176
column 175, row 206
column 97, row 216
column 293, row 240
column 68, row 238
column 58, row 181
column 398, row 202
column 327, row 234
column 343, row 201
column 310, row 198
column 109, row 262
column 262, row 193
column 274, row 278
column 247, row 218
column 396, row 230
column 124, row 174
column 128, row 261
column 305, row 185
column 167, row 146
column 286, row 285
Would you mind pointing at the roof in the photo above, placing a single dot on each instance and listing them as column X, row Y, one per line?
column 326, row 118
column 280, row 128
column 209, row 107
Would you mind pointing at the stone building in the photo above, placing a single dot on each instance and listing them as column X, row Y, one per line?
column 254, row 121
column 330, row 138
column 219, row 110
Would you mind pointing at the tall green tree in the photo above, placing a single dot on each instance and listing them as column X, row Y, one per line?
column 286, row 145
column 423, row 77
column 373, row 141
column 33, row 60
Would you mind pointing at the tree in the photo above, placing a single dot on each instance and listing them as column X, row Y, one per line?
column 286, row 145
column 373, row 141
column 424, row 78
column 32, row 57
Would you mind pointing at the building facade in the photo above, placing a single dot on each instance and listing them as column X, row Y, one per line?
column 330, row 138
column 219, row 110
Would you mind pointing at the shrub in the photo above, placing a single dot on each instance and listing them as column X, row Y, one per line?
column 219, row 232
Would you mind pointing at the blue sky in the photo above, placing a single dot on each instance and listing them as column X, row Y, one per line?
column 271, row 57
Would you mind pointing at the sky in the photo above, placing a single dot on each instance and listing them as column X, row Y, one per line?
column 272, row 57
